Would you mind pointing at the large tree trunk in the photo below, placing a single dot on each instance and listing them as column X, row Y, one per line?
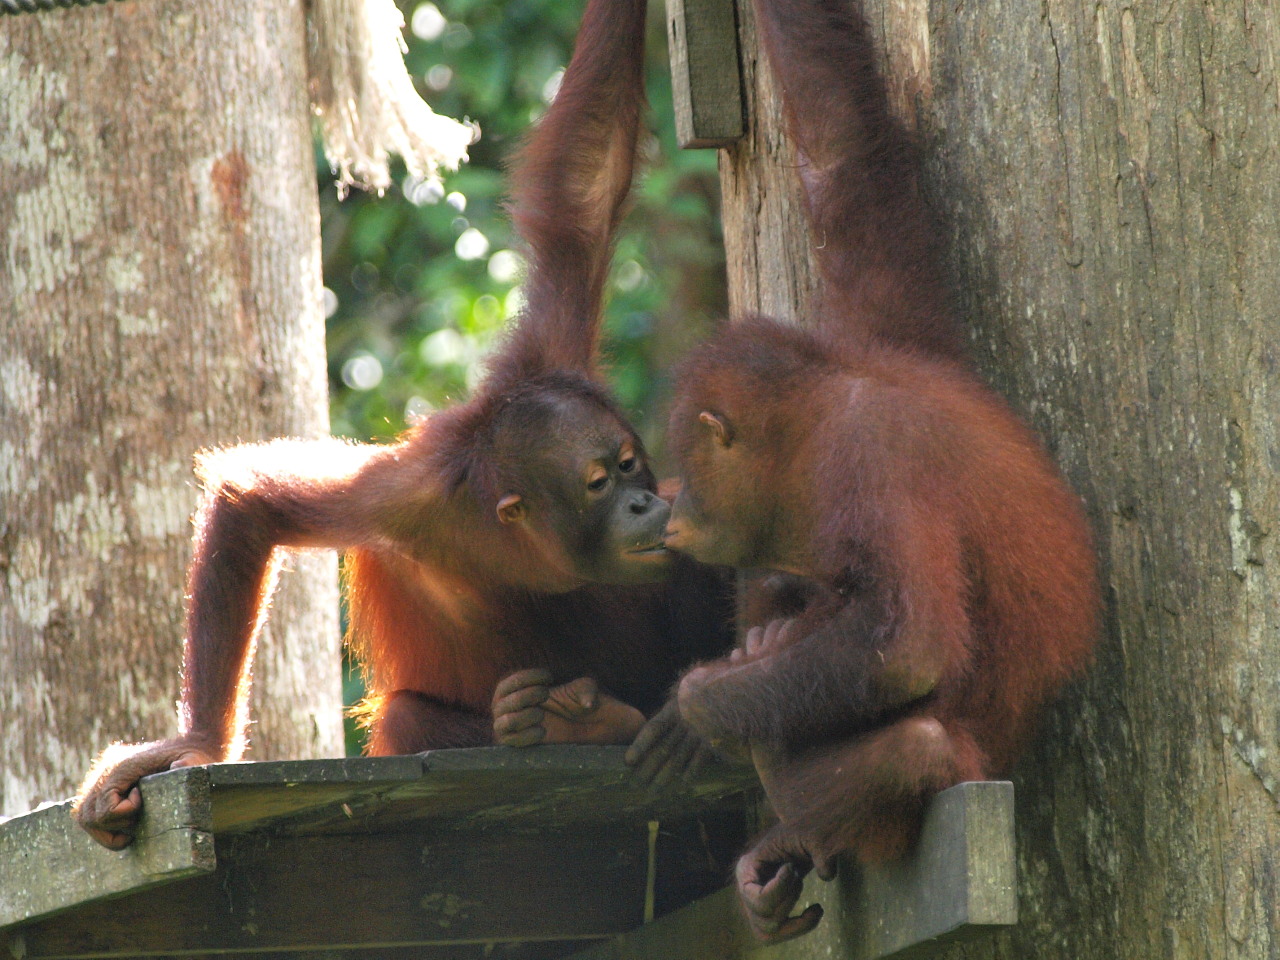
column 1111, row 178
column 159, row 293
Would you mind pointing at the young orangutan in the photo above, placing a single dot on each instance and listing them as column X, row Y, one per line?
column 950, row 578
column 478, row 544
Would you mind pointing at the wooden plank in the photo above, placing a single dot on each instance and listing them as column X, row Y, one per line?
column 563, row 785
column 706, row 929
column 343, row 770
column 253, row 795
column 702, row 40
column 356, row 891
column 960, row 883
column 486, row 786
column 48, row 864
column 541, row 950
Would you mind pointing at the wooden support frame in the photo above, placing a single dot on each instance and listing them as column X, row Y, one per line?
column 416, row 888
column 706, row 83
column 960, row 883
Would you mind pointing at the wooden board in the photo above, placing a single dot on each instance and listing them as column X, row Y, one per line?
column 47, row 863
column 477, row 787
column 702, row 40
column 417, row 888
column 960, row 883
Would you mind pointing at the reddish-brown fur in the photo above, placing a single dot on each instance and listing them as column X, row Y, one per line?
column 518, row 532
column 950, row 578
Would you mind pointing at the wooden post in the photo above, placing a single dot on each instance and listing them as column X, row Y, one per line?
column 767, row 246
column 705, row 82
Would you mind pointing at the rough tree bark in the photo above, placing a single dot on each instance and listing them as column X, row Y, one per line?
column 159, row 293
column 1111, row 180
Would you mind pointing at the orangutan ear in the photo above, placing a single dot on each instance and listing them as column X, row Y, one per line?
column 511, row 508
column 718, row 425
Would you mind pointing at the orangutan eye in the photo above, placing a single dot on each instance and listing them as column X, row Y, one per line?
column 629, row 464
column 598, row 484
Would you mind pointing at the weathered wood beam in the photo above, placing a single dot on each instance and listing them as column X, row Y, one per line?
column 542, row 950
column 47, row 863
column 702, row 40
column 960, row 883
column 372, row 891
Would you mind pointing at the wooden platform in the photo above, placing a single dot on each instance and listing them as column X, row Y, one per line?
column 533, row 853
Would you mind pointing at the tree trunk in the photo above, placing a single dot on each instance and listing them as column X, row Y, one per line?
column 159, row 293
column 1111, row 181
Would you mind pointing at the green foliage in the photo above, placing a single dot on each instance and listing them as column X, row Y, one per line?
column 423, row 280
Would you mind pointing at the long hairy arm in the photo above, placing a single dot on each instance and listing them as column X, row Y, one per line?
column 569, row 183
